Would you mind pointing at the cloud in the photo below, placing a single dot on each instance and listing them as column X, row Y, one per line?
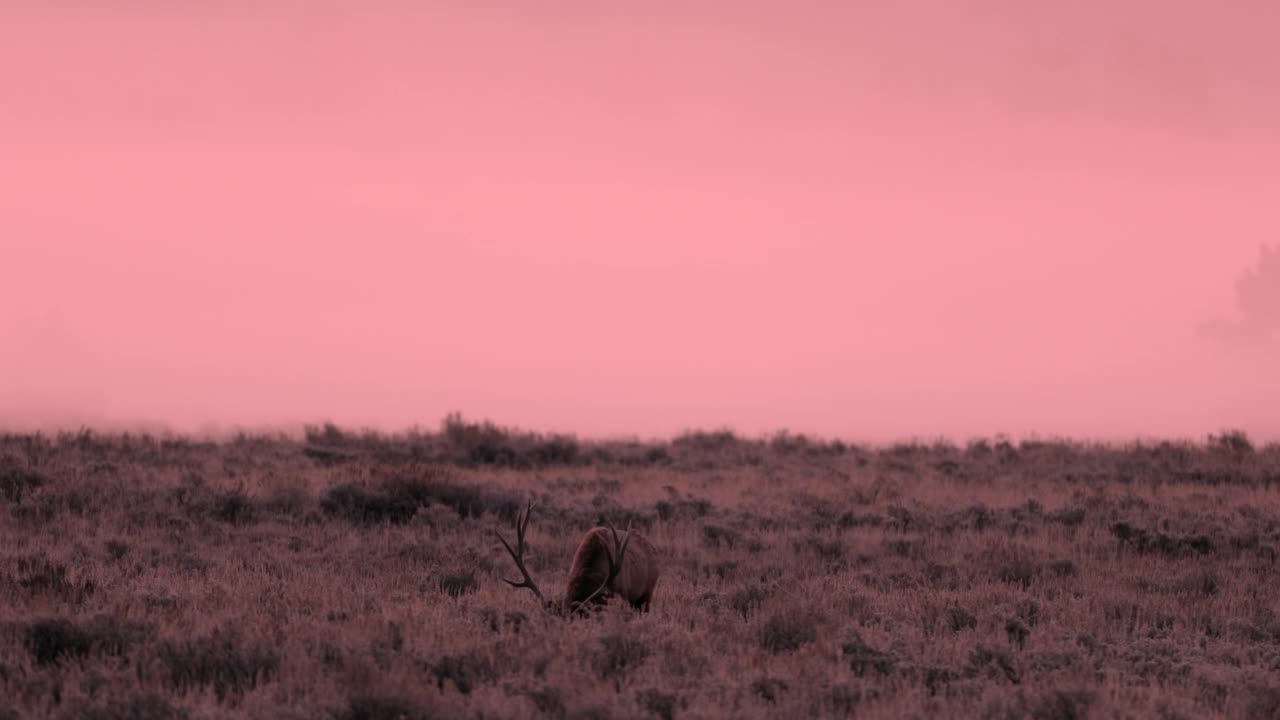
column 1257, row 319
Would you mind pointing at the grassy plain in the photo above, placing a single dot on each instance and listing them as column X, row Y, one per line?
column 356, row 576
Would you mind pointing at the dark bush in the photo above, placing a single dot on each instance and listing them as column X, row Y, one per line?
column 1017, row 631
column 327, row 434
column 747, row 599
column 560, row 450
column 1197, row 583
column 514, row 619
column 221, row 662
column 619, row 655
column 657, row 456
column 661, row 704
column 354, row 503
column 827, row 550
column 715, row 536
column 16, row 481
column 151, row 706
column 549, row 701
column 1263, row 703
column 688, row 509
column 233, row 507
column 117, row 549
column 788, row 631
column 398, row 499
column 40, row 576
column 52, row 639
column 1029, row 611
column 769, row 689
column 992, row 663
column 459, row 583
column 1231, row 442
column 465, row 671
column 1144, row 541
column 365, row 706
column 901, row 517
column 466, row 500
column 328, row 456
column 704, row 441
column 960, row 619
column 1017, row 571
column 1062, row 705
column 1070, row 517
column 844, row 699
column 498, row 456
column 288, row 500
column 864, row 658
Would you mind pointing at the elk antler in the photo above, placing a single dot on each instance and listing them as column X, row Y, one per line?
column 620, row 550
column 522, row 524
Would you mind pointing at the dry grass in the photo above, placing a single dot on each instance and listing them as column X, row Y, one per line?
column 356, row 577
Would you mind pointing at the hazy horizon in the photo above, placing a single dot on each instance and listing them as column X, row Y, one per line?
column 869, row 223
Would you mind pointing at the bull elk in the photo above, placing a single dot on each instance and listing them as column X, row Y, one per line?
column 603, row 566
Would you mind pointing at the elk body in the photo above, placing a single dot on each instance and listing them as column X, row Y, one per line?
column 603, row 566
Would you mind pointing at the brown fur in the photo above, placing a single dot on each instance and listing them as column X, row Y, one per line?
column 635, row 581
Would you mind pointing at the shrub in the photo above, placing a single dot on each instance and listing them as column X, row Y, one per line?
column 844, row 699
column 1197, row 583
column 687, row 509
column 747, row 599
column 549, row 701
column 398, row 499
column 619, row 655
column 1017, row 571
column 788, row 631
column 1070, row 517
column 1062, row 705
column 466, row 500
column 366, row 706
column 328, row 456
column 117, row 549
column 960, row 619
column 358, row 505
column 458, row 584
column 657, row 456
column 992, row 663
column 51, row 640
column 1231, row 442
column 864, row 658
column 831, row 550
column 465, row 671
column 1144, row 541
column 1017, row 631
column 1262, row 703
column 769, row 689
column 661, row 704
column 559, row 450
column 150, row 706
column 16, row 481
column 715, row 536
column 233, row 507
column 40, row 576
column 220, row 662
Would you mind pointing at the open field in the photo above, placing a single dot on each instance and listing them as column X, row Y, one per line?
column 357, row 577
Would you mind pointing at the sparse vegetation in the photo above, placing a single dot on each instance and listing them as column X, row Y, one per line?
column 353, row 575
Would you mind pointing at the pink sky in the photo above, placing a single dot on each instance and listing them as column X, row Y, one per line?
column 636, row 218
